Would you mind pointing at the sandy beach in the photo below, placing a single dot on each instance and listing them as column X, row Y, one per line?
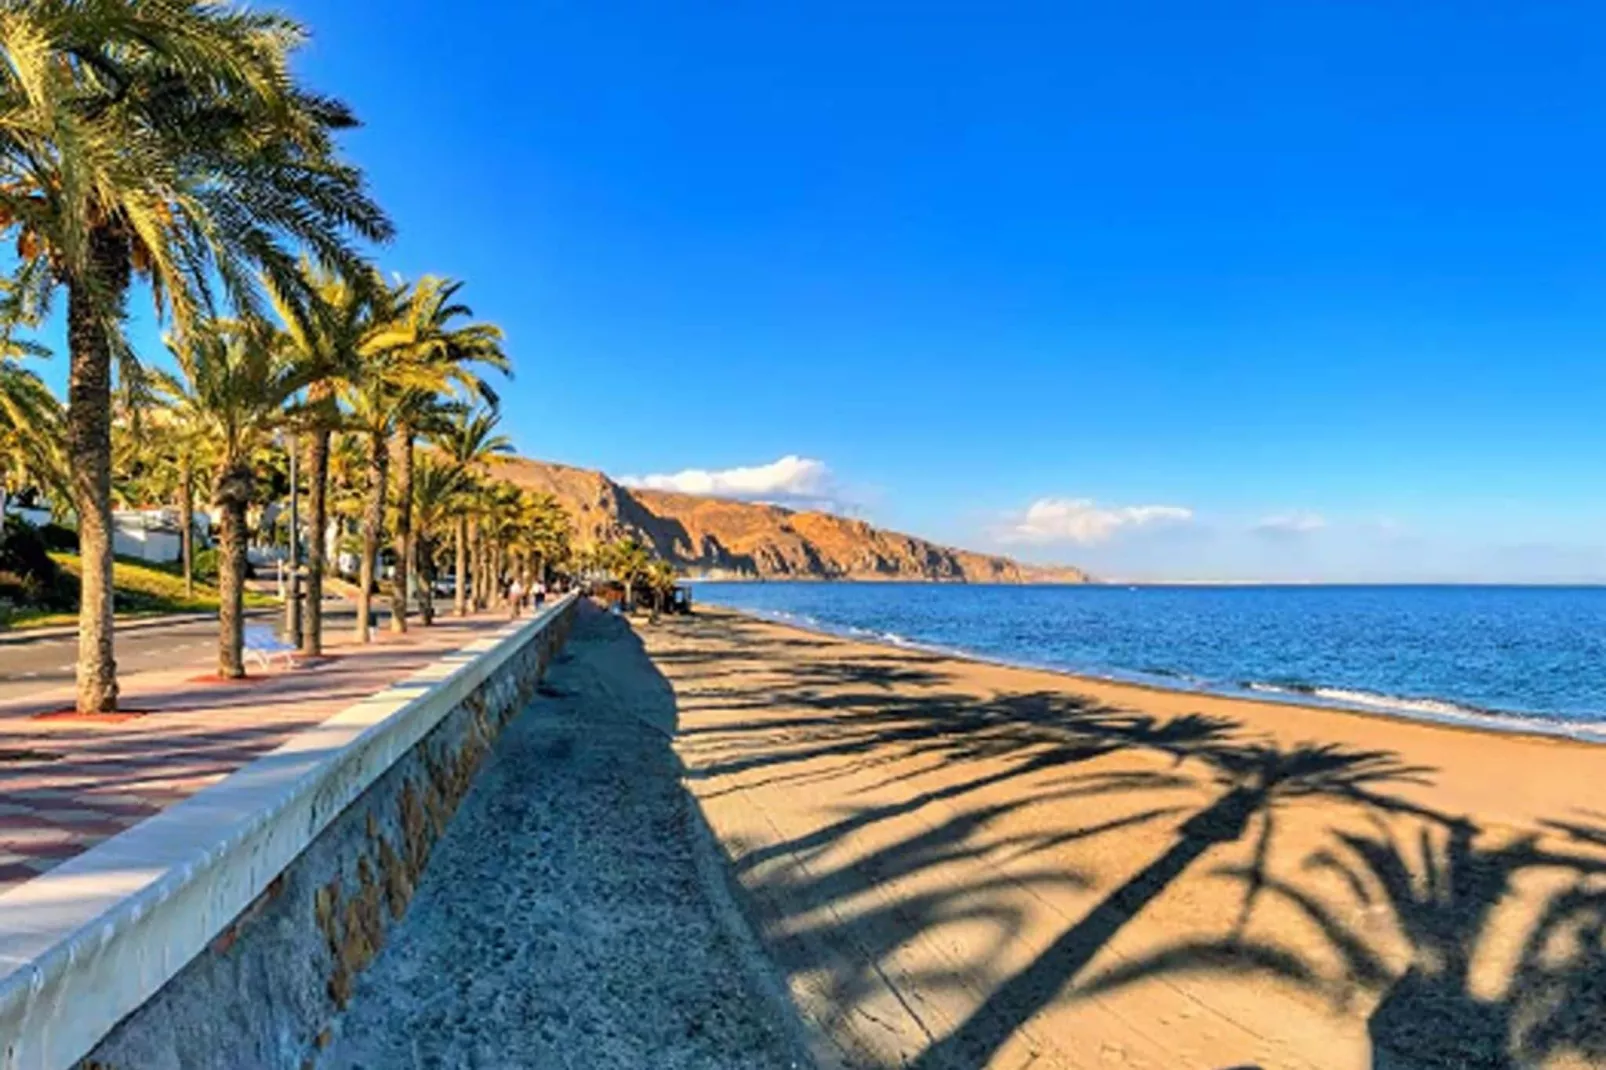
column 962, row 865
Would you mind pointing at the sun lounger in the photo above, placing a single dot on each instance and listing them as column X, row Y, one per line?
column 263, row 646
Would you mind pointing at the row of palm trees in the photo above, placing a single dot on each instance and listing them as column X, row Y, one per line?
column 167, row 145
column 634, row 566
column 243, row 393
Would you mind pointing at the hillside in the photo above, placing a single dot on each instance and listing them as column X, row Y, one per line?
column 718, row 537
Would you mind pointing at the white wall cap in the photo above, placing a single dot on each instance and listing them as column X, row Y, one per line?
column 86, row 943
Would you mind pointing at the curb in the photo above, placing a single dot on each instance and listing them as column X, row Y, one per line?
column 60, row 631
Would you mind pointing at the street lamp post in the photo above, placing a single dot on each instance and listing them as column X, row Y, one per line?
column 292, row 603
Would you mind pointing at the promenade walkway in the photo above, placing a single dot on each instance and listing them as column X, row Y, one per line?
column 66, row 783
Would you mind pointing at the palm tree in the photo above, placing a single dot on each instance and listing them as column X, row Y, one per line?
column 30, row 434
column 412, row 357
column 332, row 328
column 439, row 487
column 471, row 439
column 660, row 579
column 233, row 384
column 168, row 141
column 531, row 530
column 30, row 415
column 189, row 449
column 417, row 410
column 627, row 560
column 549, row 539
column 348, row 480
column 370, row 400
column 160, row 456
column 587, row 561
column 439, row 354
column 502, row 508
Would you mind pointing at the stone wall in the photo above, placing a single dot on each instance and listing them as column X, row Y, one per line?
column 268, row 979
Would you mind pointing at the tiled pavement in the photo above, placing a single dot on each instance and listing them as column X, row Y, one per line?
column 66, row 784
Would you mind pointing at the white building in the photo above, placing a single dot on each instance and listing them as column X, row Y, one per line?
column 150, row 534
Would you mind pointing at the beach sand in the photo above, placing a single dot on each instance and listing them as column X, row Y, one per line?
column 956, row 864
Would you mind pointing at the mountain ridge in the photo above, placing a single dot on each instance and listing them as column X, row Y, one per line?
column 725, row 538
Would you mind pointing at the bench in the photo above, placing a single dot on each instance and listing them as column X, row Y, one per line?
column 263, row 646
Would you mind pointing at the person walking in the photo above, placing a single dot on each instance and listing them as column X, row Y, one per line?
column 515, row 595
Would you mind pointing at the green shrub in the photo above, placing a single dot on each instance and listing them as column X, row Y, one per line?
column 27, row 573
column 205, row 565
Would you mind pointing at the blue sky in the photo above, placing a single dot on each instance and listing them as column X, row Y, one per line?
column 1228, row 290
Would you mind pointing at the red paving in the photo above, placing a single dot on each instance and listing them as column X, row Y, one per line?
column 66, row 783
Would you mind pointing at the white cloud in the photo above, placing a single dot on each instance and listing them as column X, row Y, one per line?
column 1081, row 520
column 792, row 479
column 1296, row 523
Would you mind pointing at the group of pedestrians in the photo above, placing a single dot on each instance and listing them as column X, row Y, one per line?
column 518, row 595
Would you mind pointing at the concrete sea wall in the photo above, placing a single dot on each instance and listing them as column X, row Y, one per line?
column 228, row 930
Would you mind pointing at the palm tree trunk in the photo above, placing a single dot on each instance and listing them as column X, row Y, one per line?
column 186, row 522
column 477, row 548
column 373, row 520
column 424, row 569
column 94, row 310
column 234, row 491
column 404, row 531
column 317, row 522
column 487, row 591
column 460, row 547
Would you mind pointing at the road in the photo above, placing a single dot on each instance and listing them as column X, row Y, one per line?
column 28, row 668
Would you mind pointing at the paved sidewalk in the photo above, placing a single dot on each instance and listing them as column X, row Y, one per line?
column 67, row 783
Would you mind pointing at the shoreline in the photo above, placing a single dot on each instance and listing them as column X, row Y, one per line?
column 1501, row 723
column 1102, row 581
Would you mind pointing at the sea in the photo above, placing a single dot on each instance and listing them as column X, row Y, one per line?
column 1516, row 658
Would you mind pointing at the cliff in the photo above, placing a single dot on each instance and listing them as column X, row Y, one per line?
column 718, row 537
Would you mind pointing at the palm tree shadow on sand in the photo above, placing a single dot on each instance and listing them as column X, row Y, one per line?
column 1444, row 882
column 1255, row 779
column 1409, row 900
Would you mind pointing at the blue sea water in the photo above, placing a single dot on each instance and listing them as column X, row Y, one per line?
column 1515, row 657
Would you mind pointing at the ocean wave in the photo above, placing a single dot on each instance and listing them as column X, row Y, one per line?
column 1432, row 709
column 1370, row 699
column 1291, row 690
column 845, row 631
column 781, row 616
column 1283, row 687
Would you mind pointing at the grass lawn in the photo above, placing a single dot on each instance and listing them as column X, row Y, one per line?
column 143, row 590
